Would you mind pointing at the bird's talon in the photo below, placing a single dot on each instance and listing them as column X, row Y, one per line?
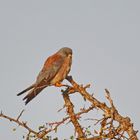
column 59, row 85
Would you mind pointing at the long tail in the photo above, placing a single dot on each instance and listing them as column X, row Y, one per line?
column 32, row 94
column 25, row 90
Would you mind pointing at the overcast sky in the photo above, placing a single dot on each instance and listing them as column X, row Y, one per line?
column 105, row 38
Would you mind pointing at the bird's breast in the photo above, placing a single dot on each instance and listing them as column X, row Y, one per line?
column 63, row 71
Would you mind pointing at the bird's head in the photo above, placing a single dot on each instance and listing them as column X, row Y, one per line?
column 65, row 51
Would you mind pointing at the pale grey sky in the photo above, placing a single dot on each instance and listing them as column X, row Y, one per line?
column 105, row 38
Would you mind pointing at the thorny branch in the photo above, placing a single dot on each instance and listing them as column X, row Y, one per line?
column 53, row 126
column 107, row 128
column 70, row 111
column 109, row 112
column 20, row 123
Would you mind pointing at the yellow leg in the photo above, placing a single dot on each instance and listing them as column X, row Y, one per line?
column 60, row 85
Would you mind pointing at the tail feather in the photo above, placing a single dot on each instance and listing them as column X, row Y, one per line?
column 32, row 94
column 25, row 90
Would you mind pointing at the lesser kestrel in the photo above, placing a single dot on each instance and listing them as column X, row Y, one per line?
column 54, row 71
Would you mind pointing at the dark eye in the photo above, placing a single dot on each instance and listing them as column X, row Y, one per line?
column 66, row 53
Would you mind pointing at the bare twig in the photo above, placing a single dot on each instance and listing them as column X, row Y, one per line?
column 107, row 128
column 124, row 122
column 72, row 116
column 20, row 114
column 23, row 124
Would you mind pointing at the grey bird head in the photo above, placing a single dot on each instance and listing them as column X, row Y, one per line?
column 65, row 51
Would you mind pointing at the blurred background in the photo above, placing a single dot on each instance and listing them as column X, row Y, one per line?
column 105, row 38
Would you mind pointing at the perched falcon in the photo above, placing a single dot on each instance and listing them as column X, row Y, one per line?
column 54, row 71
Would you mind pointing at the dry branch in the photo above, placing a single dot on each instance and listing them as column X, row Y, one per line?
column 107, row 128
column 70, row 111
column 109, row 112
